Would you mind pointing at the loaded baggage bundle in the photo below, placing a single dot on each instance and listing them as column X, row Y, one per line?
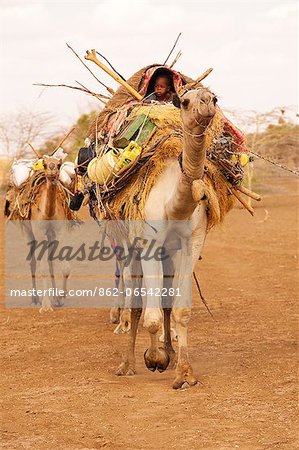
column 132, row 142
column 26, row 178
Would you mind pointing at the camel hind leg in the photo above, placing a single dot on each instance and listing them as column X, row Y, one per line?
column 35, row 300
column 167, row 303
column 124, row 312
column 127, row 367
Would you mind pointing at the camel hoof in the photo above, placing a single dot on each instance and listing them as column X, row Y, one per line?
column 121, row 370
column 159, row 360
column 35, row 300
column 122, row 328
column 125, row 370
column 118, row 330
column 59, row 301
column 46, row 309
column 184, row 383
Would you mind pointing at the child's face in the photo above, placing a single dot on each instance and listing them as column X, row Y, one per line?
column 161, row 86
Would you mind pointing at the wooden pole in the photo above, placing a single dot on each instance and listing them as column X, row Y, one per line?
column 203, row 76
column 249, row 193
column 91, row 56
column 33, row 149
column 62, row 140
column 242, row 201
column 193, row 84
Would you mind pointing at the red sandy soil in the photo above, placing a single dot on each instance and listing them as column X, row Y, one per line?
column 58, row 386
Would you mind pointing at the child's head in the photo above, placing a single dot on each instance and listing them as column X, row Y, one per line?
column 162, row 86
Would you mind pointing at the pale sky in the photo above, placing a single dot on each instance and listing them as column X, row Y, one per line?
column 250, row 44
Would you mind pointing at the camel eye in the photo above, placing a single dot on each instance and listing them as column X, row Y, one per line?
column 185, row 103
column 215, row 100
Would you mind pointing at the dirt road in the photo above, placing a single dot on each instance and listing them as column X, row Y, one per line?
column 58, row 387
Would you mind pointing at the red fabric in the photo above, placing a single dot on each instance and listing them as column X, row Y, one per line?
column 239, row 141
column 177, row 80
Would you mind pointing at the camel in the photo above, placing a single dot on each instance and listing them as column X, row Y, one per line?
column 46, row 213
column 178, row 195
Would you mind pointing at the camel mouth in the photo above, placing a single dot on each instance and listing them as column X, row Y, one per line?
column 53, row 178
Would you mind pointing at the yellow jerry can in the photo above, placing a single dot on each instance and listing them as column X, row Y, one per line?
column 129, row 154
column 244, row 159
column 102, row 170
column 38, row 165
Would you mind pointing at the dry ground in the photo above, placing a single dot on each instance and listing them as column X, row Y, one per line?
column 58, row 387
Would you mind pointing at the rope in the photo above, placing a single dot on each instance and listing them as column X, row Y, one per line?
column 201, row 296
column 281, row 166
column 193, row 135
column 275, row 163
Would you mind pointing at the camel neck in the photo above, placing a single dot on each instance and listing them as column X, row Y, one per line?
column 194, row 152
column 182, row 205
column 50, row 205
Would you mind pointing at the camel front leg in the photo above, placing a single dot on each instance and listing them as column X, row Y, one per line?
column 126, row 286
column 46, row 301
column 66, row 270
column 168, row 337
column 155, row 357
column 51, row 236
column 119, row 285
column 182, row 314
column 35, row 298
column 127, row 367
column 184, row 371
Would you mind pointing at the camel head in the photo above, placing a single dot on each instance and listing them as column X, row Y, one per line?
column 198, row 107
column 52, row 167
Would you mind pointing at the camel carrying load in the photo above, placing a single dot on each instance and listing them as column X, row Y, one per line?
column 28, row 178
column 38, row 201
column 162, row 153
column 132, row 141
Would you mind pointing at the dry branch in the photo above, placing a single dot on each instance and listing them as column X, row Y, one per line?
column 174, row 45
column 88, row 91
column 85, row 90
column 90, row 71
column 175, row 59
column 249, row 193
column 33, row 149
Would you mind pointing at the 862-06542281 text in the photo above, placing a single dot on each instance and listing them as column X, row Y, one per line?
column 98, row 292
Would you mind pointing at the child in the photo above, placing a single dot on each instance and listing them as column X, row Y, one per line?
column 162, row 91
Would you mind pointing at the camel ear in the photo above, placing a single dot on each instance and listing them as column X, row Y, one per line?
column 176, row 101
column 185, row 103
